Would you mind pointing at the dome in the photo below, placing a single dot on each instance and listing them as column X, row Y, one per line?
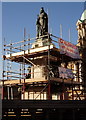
column 83, row 16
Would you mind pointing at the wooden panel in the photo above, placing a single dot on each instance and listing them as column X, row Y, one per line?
column 11, row 82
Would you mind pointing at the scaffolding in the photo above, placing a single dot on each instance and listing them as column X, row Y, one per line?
column 24, row 55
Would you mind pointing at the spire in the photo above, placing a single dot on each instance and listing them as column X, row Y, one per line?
column 83, row 16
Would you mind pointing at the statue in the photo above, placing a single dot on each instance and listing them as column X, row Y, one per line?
column 81, row 27
column 84, row 29
column 42, row 23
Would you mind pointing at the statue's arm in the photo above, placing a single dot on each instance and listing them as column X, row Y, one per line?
column 37, row 22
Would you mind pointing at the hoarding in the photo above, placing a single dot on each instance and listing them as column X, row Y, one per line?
column 65, row 73
column 69, row 49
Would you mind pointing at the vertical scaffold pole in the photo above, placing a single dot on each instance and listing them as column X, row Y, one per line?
column 20, row 68
column 2, row 89
column 72, row 90
column 3, row 70
column 49, row 84
column 24, row 65
column 28, row 42
column 60, row 30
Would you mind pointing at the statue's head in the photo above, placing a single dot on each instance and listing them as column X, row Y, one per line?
column 41, row 10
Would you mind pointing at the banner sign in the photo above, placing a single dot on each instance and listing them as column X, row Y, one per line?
column 69, row 49
column 65, row 73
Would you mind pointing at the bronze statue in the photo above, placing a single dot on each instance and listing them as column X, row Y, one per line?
column 42, row 23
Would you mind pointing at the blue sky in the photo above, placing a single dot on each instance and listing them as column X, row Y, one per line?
column 17, row 15
column 0, row 39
